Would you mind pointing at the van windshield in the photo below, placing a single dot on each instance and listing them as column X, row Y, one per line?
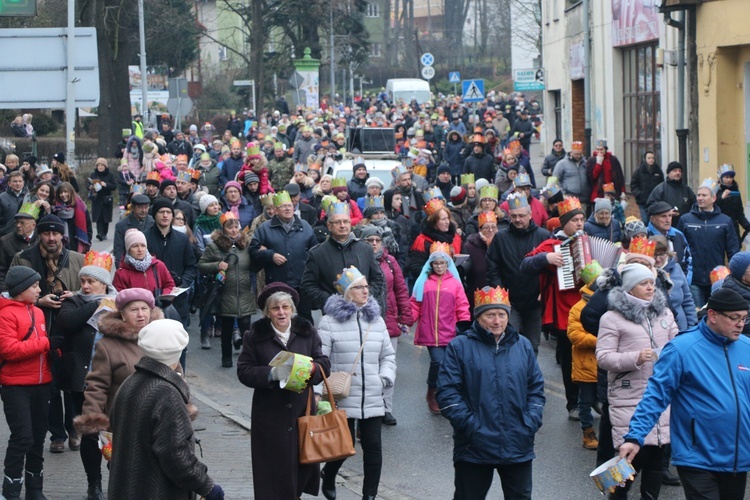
column 420, row 96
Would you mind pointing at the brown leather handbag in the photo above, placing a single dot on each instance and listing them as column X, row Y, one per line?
column 323, row 438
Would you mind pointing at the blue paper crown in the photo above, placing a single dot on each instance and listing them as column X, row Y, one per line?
column 374, row 202
column 339, row 209
column 516, row 201
column 710, row 184
column 550, row 190
column 399, row 171
column 522, row 180
column 348, row 276
column 184, row 176
column 300, row 167
column 433, row 192
column 137, row 188
column 726, row 169
column 407, row 161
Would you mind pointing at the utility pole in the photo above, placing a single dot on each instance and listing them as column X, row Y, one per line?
column 333, row 59
column 144, row 76
column 70, row 98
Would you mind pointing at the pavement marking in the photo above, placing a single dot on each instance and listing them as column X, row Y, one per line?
column 226, row 413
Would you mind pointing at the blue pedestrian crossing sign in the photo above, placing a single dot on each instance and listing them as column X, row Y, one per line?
column 454, row 77
column 473, row 90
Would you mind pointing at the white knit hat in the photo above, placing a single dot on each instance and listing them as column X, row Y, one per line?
column 133, row 236
column 206, row 200
column 163, row 340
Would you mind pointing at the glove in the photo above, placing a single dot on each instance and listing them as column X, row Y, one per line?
column 274, row 375
column 386, row 382
column 216, row 493
column 55, row 343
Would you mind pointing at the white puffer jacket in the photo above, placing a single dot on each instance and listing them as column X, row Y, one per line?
column 342, row 330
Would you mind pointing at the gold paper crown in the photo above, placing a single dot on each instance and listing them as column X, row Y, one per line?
column 346, row 278
column 516, row 201
column 434, row 205
column 184, row 176
column 488, row 296
column 439, row 246
column 182, row 159
column 227, row 216
column 467, row 179
column 280, row 198
column 266, row 200
column 30, row 209
column 718, row 273
column 205, row 156
column 98, row 259
column 710, row 184
column 486, row 217
column 642, row 246
column 194, row 174
column 576, row 146
column 153, row 176
column 489, row 191
column 338, row 182
column 609, row 187
column 568, row 205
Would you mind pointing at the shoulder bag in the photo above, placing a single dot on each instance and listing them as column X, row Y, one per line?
column 341, row 382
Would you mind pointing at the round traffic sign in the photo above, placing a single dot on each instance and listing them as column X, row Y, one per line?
column 428, row 72
column 427, row 59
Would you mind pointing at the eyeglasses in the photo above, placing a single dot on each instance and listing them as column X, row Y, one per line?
column 489, row 229
column 339, row 222
column 736, row 319
column 373, row 240
column 358, row 288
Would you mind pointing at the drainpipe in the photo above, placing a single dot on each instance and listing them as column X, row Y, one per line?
column 587, row 76
column 681, row 131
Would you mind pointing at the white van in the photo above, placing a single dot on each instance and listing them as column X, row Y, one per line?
column 408, row 89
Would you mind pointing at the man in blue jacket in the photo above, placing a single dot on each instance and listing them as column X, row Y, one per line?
column 491, row 389
column 704, row 374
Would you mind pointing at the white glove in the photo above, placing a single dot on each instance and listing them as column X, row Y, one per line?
column 274, row 375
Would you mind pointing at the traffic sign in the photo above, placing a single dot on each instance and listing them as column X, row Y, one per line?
column 528, row 79
column 428, row 72
column 427, row 59
column 473, row 90
column 454, row 77
column 243, row 83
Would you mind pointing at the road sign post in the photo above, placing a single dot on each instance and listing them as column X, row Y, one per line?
column 427, row 59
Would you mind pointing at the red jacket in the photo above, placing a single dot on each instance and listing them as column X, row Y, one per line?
column 128, row 277
column 398, row 308
column 264, row 184
column 538, row 212
column 26, row 360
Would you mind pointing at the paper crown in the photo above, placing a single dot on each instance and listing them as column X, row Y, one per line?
column 98, row 259
column 439, row 246
column 507, row 152
column 408, row 161
column 314, row 166
column 374, row 202
column 30, row 209
column 718, row 273
column 467, row 179
column 137, row 188
column 300, row 167
column 601, row 143
column 523, row 180
column 726, row 169
column 154, row 176
column 205, row 156
column 253, row 150
column 338, row 208
column 489, row 191
column 710, row 184
column 266, row 200
column 327, row 201
column 514, row 144
column 280, row 198
column 278, row 146
column 433, row 192
column 182, row 159
column 516, row 201
column 348, row 276
column 550, row 190
column 433, row 206
column 609, row 187
column 359, row 162
column 184, row 176
column 338, row 182
column 642, row 246
column 126, row 132
column 399, row 171
column 478, row 139
column 491, row 296
column 486, row 217
column 227, row 216
column 591, row 271
column 195, row 175
column 576, row 146
column 568, row 205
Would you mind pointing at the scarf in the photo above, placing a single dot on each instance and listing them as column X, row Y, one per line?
column 97, row 297
column 637, row 301
column 208, row 223
column 283, row 336
column 139, row 265
column 379, row 222
column 82, row 233
column 235, row 207
column 379, row 253
column 51, row 260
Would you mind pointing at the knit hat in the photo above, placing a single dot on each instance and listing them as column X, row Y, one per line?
column 480, row 183
column 234, row 184
column 739, row 264
column 19, row 278
column 634, row 227
column 98, row 266
column 374, row 181
column 491, row 298
column 726, row 299
column 673, row 165
column 633, row 274
column 444, row 168
column 125, row 297
column 370, row 230
column 50, row 223
column 458, row 195
column 206, row 200
column 165, row 184
column 251, row 177
column 602, row 204
column 133, row 236
column 160, row 203
column 163, row 340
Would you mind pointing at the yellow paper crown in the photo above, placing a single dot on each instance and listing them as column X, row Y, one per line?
column 467, row 179
column 718, row 273
column 266, row 200
column 489, row 191
column 568, row 205
column 439, row 246
column 227, row 216
column 433, row 206
column 486, row 217
column 30, row 209
column 280, row 198
column 489, row 296
column 338, row 182
column 253, row 149
column 98, row 259
column 153, row 176
column 642, row 246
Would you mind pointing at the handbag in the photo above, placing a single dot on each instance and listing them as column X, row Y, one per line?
column 341, row 382
column 323, row 438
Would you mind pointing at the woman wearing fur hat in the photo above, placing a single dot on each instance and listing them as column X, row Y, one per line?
column 631, row 335
column 139, row 269
column 352, row 322
column 115, row 355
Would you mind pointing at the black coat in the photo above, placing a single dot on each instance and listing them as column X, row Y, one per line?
column 79, row 342
column 644, row 181
column 101, row 204
column 10, row 245
column 129, row 222
column 10, row 203
column 153, row 454
column 732, row 206
column 676, row 194
column 481, row 165
column 293, row 245
column 277, row 473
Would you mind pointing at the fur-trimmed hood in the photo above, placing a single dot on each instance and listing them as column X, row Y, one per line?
column 633, row 312
column 342, row 310
column 610, row 278
column 262, row 329
column 225, row 243
column 112, row 325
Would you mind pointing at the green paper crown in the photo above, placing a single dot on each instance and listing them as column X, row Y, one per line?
column 339, row 182
column 30, row 209
column 280, row 198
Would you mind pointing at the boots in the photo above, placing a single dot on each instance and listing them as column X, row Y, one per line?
column 12, row 487
column 205, row 342
column 590, row 442
column 34, row 484
column 237, row 339
column 328, row 486
column 226, row 349
column 431, row 403
column 95, row 490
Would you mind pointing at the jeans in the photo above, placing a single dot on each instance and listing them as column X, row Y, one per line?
column 25, row 408
column 372, row 454
column 473, row 481
column 606, row 449
column 586, row 398
column 702, row 484
column 388, row 391
column 91, row 457
column 650, row 463
column 701, row 293
column 565, row 356
column 437, row 354
column 528, row 322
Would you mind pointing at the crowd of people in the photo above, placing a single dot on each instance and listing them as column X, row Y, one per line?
column 463, row 248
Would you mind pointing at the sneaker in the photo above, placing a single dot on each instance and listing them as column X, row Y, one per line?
column 74, row 442
column 590, row 442
column 57, row 446
column 573, row 414
column 389, row 419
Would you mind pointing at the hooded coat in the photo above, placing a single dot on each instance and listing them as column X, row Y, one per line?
column 25, row 361
column 443, row 305
column 584, row 343
column 644, row 180
column 611, row 232
column 482, row 165
column 236, row 299
column 452, row 153
column 398, row 307
column 732, row 206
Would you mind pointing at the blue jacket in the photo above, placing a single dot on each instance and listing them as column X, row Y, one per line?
column 245, row 210
column 680, row 247
column 293, row 245
column 612, row 233
column 680, row 298
column 493, row 395
column 706, row 379
column 710, row 235
column 229, row 169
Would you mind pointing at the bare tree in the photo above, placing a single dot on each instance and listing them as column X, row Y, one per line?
column 527, row 23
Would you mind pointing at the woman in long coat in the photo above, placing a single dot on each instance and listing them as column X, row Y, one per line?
column 277, row 474
column 101, row 197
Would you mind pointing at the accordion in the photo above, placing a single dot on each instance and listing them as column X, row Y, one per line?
column 580, row 252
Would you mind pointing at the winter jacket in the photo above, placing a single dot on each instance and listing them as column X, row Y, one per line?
column 452, row 153
column 303, row 148
column 741, row 288
column 612, row 232
column 153, row 454
column 10, row 203
column 571, row 176
column 493, row 395
column 732, row 206
column 293, row 245
column 711, row 237
column 115, row 356
column 644, row 180
column 476, row 277
column 102, row 203
column 356, row 187
column 679, row 246
column 625, row 330
column 129, row 222
column 25, row 360
column 210, row 179
column 584, row 343
column 342, row 331
column 10, row 245
column 229, row 169
column 675, row 193
column 680, row 298
column 538, row 213
column 704, row 377
column 420, row 249
column 610, row 171
column 398, row 310
column 244, row 209
column 481, row 165
column 281, row 171
column 237, row 299
column 551, row 160
column 443, row 304
column 156, row 279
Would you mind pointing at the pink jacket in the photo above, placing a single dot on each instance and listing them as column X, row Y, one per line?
column 444, row 304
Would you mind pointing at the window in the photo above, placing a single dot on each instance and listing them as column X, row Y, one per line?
column 375, row 50
column 223, row 53
column 641, row 104
column 373, row 10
